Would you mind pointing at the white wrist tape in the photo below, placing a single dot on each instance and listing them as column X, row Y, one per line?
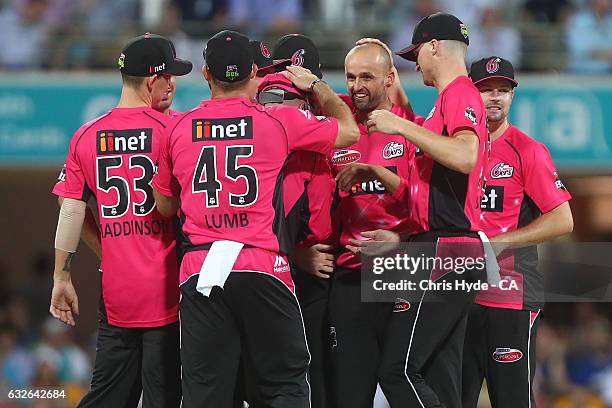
column 69, row 225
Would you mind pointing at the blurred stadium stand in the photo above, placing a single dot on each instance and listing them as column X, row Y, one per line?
column 57, row 70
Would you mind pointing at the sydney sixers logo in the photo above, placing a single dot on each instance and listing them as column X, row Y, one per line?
column 298, row 57
column 493, row 65
column 264, row 50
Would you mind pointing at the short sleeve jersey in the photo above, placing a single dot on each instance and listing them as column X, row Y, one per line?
column 522, row 184
column 442, row 199
column 369, row 206
column 113, row 158
column 308, row 193
column 225, row 161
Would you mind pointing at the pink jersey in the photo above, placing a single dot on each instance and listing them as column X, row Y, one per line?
column 113, row 157
column 174, row 113
column 308, row 191
column 368, row 206
column 522, row 183
column 443, row 199
column 225, row 161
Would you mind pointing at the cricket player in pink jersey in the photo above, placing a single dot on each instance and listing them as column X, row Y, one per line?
column 422, row 353
column 308, row 190
column 224, row 162
column 112, row 158
column 525, row 203
column 369, row 175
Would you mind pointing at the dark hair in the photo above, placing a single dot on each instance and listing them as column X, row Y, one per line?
column 132, row 81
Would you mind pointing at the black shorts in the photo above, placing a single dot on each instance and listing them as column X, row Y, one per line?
column 357, row 335
column 135, row 361
column 255, row 320
column 313, row 294
column 422, row 355
column 500, row 347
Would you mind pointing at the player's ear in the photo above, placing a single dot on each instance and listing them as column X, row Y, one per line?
column 149, row 82
column 253, row 73
column 434, row 47
column 206, row 72
column 389, row 79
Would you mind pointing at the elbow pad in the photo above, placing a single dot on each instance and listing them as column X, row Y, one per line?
column 69, row 225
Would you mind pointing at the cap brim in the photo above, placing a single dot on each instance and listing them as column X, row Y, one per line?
column 276, row 66
column 409, row 52
column 513, row 81
column 180, row 67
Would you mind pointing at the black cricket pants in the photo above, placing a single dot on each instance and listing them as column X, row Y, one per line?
column 500, row 347
column 134, row 361
column 256, row 318
column 313, row 295
column 357, row 335
column 421, row 363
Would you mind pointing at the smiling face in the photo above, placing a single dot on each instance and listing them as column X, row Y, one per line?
column 368, row 75
column 497, row 95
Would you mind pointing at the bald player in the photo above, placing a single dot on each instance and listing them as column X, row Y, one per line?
column 369, row 175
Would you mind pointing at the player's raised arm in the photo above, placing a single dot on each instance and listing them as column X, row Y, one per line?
column 459, row 152
column 331, row 105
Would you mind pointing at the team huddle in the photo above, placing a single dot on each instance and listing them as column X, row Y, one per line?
column 250, row 215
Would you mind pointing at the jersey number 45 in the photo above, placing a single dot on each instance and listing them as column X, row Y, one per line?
column 205, row 177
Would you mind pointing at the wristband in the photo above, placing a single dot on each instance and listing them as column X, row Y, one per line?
column 313, row 83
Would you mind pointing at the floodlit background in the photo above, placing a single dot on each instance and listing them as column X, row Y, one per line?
column 57, row 70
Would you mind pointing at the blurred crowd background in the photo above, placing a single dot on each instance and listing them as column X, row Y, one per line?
column 536, row 35
column 542, row 36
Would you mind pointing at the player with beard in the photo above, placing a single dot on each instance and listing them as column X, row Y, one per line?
column 371, row 195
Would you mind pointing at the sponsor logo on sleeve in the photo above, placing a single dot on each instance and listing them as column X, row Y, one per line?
column 401, row 305
column 211, row 130
column 558, row 183
column 124, row 141
column 392, row 150
column 507, row 355
column 471, row 115
column 61, row 177
column 431, row 113
column 502, row 170
column 345, row 157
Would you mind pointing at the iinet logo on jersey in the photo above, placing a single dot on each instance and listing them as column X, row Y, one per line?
column 280, row 265
column 222, row 129
column 124, row 141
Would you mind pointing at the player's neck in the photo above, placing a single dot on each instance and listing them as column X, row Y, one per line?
column 448, row 74
column 238, row 93
column 496, row 129
column 362, row 116
column 131, row 98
